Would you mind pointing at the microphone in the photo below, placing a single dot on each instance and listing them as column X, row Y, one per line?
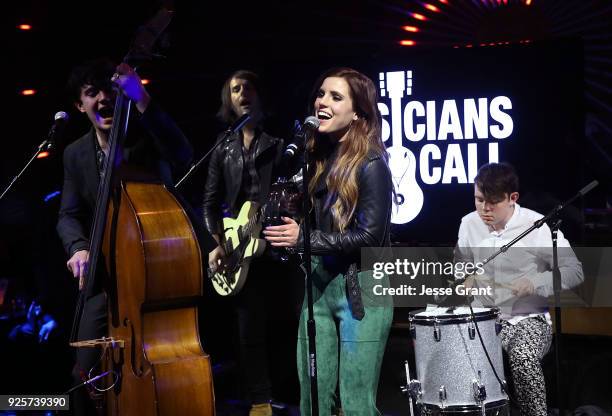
column 238, row 124
column 588, row 188
column 61, row 118
column 310, row 125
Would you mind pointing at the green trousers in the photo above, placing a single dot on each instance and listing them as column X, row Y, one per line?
column 349, row 351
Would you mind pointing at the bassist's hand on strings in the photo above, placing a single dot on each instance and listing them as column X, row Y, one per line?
column 130, row 83
column 285, row 235
column 78, row 266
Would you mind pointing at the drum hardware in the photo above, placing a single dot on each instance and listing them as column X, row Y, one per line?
column 411, row 327
column 442, row 396
column 415, row 389
column 436, row 332
column 498, row 327
column 480, row 391
column 480, row 394
column 471, row 329
column 412, row 388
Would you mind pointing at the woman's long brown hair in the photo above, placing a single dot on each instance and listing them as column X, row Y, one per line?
column 363, row 138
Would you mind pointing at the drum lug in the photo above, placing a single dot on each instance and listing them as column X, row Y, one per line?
column 471, row 329
column 437, row 332
column 480, row 391
column 442, row 396
column 504, row 387
column 413, row 390
column 411, row 327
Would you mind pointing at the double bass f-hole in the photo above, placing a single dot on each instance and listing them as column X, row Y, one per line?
column 135, row 363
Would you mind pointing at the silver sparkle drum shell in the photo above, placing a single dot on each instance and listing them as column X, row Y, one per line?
column 450, row 358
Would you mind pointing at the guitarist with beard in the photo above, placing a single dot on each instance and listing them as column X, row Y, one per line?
column 240, row 170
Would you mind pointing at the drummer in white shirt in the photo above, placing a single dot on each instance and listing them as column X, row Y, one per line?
column 518, row 276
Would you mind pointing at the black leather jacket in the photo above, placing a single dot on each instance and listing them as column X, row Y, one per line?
column 225, row 175
column 371, row 222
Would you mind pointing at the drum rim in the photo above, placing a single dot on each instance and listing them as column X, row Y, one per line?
column 492, row 313
column 466, row 407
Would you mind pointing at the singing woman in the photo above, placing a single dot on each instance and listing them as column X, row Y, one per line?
column 351, row 192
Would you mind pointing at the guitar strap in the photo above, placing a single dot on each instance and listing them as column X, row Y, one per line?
column 353, row 291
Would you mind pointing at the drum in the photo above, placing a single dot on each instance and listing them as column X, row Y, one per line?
column 453, row 373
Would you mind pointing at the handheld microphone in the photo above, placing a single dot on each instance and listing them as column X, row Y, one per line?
column 238, row 124
column 61, row 118
column 310, row 125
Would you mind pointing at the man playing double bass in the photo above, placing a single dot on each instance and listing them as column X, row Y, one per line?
column 154, row 143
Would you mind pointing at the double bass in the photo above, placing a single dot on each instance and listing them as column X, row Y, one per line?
column 152, row 356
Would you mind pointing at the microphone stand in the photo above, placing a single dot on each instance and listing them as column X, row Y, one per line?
column 556, row 278
column 231, row 130
column 312, row 346
column 45, row 145
column 553, row 213
column 557, row 292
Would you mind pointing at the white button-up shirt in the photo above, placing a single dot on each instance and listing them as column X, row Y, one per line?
column 530, row 257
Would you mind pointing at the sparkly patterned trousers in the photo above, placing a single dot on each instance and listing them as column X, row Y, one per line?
column 526, row 343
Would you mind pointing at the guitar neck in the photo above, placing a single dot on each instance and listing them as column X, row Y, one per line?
column 246, row 231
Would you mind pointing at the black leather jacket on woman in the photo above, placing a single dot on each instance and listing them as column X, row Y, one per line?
column 370, row 226
column 225, row 176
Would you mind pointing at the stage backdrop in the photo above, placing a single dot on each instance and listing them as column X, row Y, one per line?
column 445, row 113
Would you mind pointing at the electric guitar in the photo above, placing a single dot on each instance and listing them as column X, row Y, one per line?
column 241, row 235
column 402, row 162
column 241, row 243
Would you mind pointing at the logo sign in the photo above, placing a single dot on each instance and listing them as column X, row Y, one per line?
column 436, row 142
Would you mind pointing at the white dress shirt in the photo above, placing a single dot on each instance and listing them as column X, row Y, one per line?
column 530, row 257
